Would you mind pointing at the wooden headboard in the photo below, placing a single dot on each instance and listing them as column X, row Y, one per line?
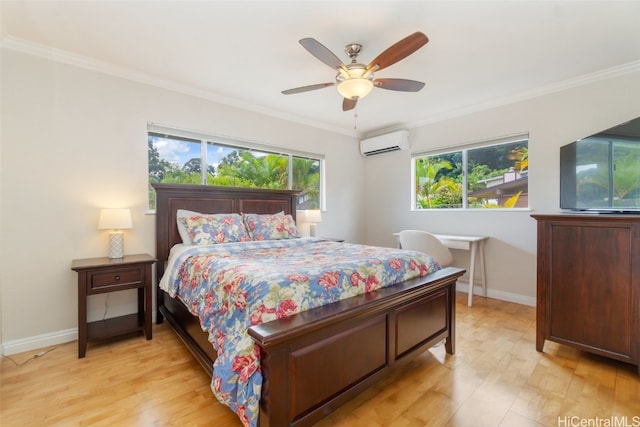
column 211, row 200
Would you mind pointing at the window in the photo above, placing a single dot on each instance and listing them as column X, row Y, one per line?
column 184, row 157
column 491, row 174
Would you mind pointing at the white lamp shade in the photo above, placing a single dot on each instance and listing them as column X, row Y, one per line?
column 313, row 216
column 115, row 219
column 355, row 88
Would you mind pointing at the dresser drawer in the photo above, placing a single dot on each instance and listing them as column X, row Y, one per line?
column 116, row 278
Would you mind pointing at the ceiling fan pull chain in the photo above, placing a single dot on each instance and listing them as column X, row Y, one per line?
column 355, row 118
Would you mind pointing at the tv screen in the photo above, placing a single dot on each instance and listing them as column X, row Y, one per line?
column 602, row 172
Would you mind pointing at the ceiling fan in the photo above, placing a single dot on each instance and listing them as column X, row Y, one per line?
column 355, row 80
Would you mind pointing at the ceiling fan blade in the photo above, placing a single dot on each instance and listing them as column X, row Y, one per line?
column 318, row 50
column 398, row 51
column 348, row 104
column 402, row 85
column 306, row 88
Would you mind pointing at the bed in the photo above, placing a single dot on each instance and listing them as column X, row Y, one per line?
column 312, row 361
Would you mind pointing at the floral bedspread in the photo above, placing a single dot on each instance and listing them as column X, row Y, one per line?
column 233, row 286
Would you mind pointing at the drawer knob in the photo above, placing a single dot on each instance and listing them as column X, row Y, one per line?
column 117, row 277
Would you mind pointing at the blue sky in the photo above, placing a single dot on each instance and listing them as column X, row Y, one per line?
column 179, row 152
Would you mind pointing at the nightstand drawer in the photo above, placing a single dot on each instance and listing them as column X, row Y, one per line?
column 121, row 277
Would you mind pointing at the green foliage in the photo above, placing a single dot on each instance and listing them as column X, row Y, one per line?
column 178, row 176
column 306, row 179
column 448, row 196
column 242, row 168
column 439, row 178
column 268, row 171
column 157, row 166
column 480, row 173
column 433, row 188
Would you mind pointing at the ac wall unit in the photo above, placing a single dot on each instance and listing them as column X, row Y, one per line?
column 393, row 141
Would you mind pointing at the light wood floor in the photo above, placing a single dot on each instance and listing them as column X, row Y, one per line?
column 496, row 378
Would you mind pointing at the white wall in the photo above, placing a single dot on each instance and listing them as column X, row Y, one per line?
column 74, row 141
column 552, row 121
column 1, row 186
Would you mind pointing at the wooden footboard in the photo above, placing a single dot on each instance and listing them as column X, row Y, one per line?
column 315, row 361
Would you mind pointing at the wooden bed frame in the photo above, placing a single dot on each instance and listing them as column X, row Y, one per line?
column 314, row 361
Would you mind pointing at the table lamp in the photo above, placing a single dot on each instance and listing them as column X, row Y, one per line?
column 115, row 220
column 312, row 216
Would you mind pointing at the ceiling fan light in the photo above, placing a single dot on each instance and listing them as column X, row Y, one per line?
column 355, row 88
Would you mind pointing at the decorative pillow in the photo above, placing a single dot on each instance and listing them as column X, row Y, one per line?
column 181, row 214
column 218, row 228
column 270, row 227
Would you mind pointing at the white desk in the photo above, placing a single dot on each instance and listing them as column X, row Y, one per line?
column 475, row 244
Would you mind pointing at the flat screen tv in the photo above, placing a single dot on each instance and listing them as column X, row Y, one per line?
column 601, row 173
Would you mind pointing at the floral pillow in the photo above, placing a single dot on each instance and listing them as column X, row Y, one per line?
column 270, row 227
column 212, row 229
column 181, row 215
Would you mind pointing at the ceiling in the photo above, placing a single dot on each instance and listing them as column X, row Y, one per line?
column 480, row 53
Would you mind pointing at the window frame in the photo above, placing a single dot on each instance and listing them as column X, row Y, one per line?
column 214, row 140
column 464, row 150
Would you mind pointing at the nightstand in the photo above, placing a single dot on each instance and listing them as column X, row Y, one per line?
column 103, row 275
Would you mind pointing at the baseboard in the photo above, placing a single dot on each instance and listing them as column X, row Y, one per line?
column 39, row 341
column 8, row 348
column 499, row 295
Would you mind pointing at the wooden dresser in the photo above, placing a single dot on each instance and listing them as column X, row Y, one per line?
column 588, row 282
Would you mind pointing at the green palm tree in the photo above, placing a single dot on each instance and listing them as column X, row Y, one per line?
column 429, row 181
column 268, row 171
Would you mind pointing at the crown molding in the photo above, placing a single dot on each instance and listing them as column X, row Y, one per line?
column 65, row 57
column 609, row 73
